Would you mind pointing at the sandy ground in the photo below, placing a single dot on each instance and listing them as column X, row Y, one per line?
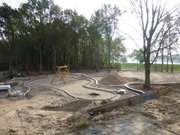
column 74, row 87
column 45, row 111
column 26, row 116
column 155, row 117
column 155, row 76
column 166, row 111
column 77, row 89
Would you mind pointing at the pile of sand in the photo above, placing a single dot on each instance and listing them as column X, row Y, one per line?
column 115, row 79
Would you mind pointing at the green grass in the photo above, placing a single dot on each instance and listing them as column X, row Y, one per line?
column 154, row 67
column 83, row 123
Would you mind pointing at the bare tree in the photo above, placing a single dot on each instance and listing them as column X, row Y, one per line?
column 151, row 19
column 167, row 61
column 171, row 40
column 171, row 58
column 162, row 58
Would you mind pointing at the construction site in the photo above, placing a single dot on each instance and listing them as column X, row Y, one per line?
column 106, row 102
column 86, row 67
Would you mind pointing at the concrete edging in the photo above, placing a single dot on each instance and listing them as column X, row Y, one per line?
column 138, row 99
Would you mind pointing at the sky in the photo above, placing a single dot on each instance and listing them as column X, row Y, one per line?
column 127, row 22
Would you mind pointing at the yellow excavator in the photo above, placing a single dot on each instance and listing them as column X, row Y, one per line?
column 61, row 73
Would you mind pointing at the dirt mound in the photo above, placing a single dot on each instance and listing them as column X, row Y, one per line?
column 115, row 79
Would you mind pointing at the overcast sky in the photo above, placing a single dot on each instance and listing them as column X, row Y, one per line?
column 127, row 23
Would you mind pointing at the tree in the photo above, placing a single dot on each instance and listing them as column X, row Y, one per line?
column 40, row 35
column 150, row 16
column 107, row 19
column 118, row 51
column 138, row 56
column 172, row 37
column 8, row 30
column 170, row 42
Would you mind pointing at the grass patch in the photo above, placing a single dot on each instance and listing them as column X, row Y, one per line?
column 83, row 123
column 140, row 67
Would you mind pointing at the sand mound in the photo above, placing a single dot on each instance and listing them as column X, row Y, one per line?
column 115, row 79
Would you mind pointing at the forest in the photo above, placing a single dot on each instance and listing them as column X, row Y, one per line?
column 115, row 71
column 39, row 35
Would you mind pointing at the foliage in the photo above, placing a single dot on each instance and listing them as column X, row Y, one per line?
column 40, row 35
column 106, row 20
column 138, row 55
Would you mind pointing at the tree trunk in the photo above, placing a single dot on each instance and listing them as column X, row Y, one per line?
column 162, row 59
column 27, row 63
column 97, row 59
column 11, row 55
column 147, row 83
column 172, row 63
column 54, row 59
column 109, row 54
column 10, row 64
column 40, row 60
column 167, row 65
column 16, row 62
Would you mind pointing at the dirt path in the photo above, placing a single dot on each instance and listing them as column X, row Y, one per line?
column 77, row 90
column 74, row 88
